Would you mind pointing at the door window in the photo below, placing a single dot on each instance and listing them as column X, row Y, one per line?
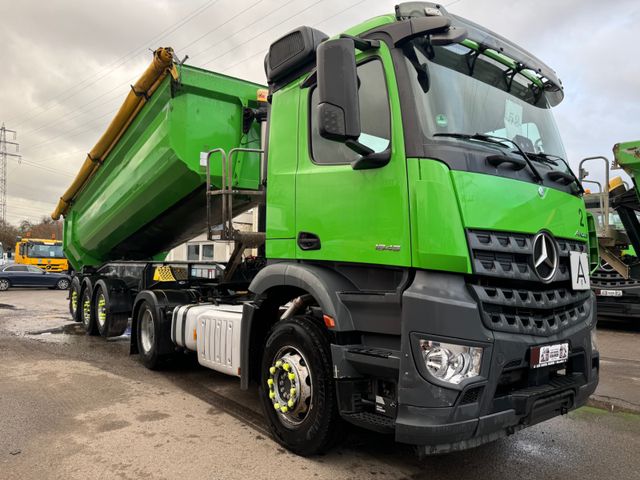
column 16, row 268
column 34, row 269
column 374, row 118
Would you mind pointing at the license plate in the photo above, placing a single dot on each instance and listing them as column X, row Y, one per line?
column 546, row 355
column 579, row 271
column 609, row 293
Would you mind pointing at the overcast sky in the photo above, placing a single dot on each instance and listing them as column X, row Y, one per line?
column 67, row 65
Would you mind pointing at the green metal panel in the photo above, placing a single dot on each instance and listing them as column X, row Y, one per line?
column 496, row 203
column 156, row 165
column 437, row 231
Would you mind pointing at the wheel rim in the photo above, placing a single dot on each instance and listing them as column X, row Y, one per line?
column 4, row 284
column 147, row 331
column 290, row 386
column 63, row 284
column 86, row 311
column 74, row 302
column 102, row 310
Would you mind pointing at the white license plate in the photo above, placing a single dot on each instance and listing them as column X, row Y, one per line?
column 546, row 355
column 579, row 271
column 609, row 293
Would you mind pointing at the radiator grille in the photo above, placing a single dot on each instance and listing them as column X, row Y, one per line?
column 512, row 297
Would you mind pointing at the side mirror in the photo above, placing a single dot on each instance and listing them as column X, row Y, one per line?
column 338, row 107
column 338, row 101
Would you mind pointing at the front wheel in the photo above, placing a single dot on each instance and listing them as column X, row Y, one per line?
column 297, row 387
column 62, row 284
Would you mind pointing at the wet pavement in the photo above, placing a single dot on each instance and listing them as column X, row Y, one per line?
column 80, row 407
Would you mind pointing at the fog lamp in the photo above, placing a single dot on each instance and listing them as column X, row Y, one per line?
column 449, row 362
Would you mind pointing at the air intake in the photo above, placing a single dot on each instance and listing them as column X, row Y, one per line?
column 292, row 55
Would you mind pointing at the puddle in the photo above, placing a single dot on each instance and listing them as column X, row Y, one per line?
column 71, row 333
column 68, row 329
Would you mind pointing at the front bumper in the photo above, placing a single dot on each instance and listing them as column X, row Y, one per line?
column 625, row 306
column 507, row 396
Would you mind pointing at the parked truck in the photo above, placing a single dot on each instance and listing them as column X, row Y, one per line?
column 423, row 247
column 615, row 208
column 45, row 254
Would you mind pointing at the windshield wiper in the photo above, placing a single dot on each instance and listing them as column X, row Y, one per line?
column 551, row 159
column 495, row 140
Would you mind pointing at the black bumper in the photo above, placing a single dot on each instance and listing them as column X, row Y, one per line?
column 507, row 395
column 627, row 307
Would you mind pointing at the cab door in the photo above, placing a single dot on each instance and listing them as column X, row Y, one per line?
column 351, row 215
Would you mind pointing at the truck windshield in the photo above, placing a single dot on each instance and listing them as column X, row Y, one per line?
column 44, row 251
column 462, row 92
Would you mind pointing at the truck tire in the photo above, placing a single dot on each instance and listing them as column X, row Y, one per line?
column 148, row 333
column 74, row 299
column 297, row 388
column 87, row 313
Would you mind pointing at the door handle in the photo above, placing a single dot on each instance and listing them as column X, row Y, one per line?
column 308, row 241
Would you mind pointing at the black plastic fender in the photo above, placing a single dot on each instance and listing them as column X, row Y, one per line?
column 324, row 284
column 163, row 301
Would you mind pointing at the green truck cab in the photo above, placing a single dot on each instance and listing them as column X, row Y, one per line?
column 426, row 248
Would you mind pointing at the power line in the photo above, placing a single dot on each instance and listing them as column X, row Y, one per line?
column 120, row 61
column 304, row 9
column 264, row 51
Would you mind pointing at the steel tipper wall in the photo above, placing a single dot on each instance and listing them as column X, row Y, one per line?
column 148, row 196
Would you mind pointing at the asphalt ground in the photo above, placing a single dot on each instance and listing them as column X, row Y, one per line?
column 73, row 406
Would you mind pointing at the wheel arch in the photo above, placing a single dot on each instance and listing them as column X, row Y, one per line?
column 274, row 286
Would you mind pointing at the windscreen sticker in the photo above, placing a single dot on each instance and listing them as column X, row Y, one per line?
column 512, row 118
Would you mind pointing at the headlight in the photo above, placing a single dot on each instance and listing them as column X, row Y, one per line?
column 449, row 362
column 594, row 341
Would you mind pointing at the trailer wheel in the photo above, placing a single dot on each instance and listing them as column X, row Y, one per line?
column 87, row 314
column 297, row 388
column 74, row 299
column 101, row 310
column 148, row 336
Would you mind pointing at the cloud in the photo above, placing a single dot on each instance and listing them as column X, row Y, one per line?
column 67, row 65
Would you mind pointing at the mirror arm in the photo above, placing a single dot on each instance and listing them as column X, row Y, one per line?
column 362, row 44
column 373, row 160
column 359, row 148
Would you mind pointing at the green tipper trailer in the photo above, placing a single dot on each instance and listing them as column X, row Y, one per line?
column 148, row 196
column 423, row 247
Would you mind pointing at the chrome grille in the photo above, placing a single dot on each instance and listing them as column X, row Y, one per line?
column 512, row 297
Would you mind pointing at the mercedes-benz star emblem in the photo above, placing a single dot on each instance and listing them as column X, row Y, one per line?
column 545, row 256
